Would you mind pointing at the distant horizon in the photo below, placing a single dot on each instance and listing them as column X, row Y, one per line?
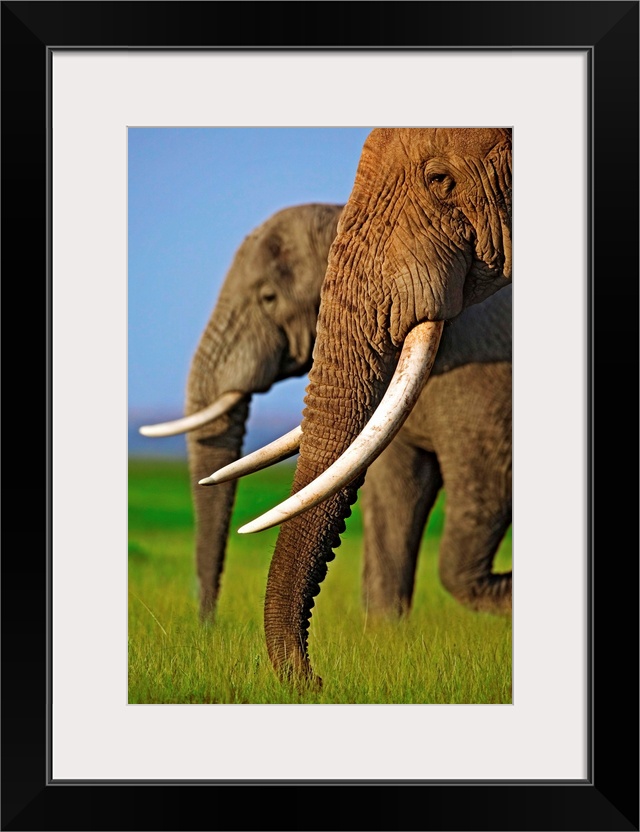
column 270, row 415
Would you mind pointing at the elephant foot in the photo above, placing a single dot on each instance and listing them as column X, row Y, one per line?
column 387, row 609
column 492, row 594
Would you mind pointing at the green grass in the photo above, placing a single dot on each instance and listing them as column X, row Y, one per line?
column 442, row 653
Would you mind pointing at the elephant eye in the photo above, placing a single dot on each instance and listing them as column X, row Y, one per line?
column 443, row 183
column 268, row 295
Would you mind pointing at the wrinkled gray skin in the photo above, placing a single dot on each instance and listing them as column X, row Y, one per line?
column 457, row 435
column 261, row 330
column 426, row 232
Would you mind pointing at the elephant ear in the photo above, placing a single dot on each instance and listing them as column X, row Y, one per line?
column 326, row 226
column 300, row 264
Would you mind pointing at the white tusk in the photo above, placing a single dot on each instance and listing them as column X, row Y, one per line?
column 275, row 451
column 195, row 420
column 417, row 357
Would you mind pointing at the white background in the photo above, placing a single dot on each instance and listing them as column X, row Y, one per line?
column 96, row 734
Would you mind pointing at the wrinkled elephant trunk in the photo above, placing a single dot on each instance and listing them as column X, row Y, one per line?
column 209, row 449
column 215, row 373
column 339, row 400
column 294, row 582
column 298, row 567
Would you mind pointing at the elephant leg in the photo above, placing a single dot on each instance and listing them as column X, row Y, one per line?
column 466, row 417
column 400, row 489
column 476, row 520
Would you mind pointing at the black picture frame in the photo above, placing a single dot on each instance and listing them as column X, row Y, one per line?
column 608, row 798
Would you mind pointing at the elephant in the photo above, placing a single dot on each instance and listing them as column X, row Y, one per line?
column 261, row 330
column 425, row 233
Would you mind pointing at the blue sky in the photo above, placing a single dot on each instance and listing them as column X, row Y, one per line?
column 193, row 195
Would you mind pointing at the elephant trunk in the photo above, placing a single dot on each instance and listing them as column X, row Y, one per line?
column 213, row 377
column 209, row 449
column 343, row 391
column 304, row 547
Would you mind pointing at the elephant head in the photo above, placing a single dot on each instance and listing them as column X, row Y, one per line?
column 262, row 329
column 425, row 233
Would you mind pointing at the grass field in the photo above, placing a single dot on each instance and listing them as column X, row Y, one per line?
column 441, row 654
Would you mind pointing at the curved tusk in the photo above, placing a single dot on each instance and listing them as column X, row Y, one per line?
column 195, row 420
column 275, row 451
column 411, row 374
